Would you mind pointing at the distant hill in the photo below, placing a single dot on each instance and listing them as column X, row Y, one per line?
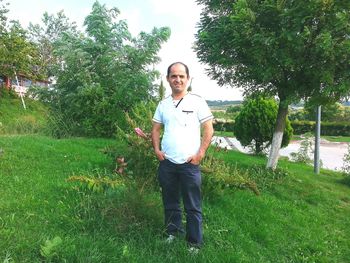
column 222, row 104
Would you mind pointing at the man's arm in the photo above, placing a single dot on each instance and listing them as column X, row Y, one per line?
column 156, row 130
column 208, row 131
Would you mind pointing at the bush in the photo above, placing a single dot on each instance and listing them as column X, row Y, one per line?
column 327, row 128
column 302, row 127
column 234, row 109
column 255, row 124
column 223, row 125
column 139, row 156
column 219, row 176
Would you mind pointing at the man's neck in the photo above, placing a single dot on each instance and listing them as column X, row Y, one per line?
column 178, row 96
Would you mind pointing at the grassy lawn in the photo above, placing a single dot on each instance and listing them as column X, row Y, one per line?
column 224, row 133
column 14, row 119
column 337, row 138
column 328, row 138
column 45, row 218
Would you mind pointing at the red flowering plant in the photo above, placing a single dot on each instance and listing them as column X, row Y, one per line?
column 138, row 156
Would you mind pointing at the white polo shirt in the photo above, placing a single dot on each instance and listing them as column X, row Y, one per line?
column 182, row 121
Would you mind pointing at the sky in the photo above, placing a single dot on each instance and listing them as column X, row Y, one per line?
column 181, row 16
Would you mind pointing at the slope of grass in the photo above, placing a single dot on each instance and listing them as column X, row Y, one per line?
column 43, row 217
column 14, row 119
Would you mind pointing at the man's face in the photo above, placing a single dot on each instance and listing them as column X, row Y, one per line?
column 178, row 79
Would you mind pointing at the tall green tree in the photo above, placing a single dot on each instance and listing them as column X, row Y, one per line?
column 332, row 112
column 161, row 90
column 291, row 49
column 3, row 17
column 17, row 54
column 45, row 37
column 104, row 72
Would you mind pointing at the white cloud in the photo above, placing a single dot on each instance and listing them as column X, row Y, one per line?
column 177, row 8
column 133, row 19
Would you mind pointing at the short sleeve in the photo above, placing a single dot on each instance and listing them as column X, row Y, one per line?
column 157, row 117
column 204, row 113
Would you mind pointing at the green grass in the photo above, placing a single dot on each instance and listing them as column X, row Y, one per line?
column 302, row 218
column 14, row 119
column 224, row 133
column 328, row 138
column 337, row 138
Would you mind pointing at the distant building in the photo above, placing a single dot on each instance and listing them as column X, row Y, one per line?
column 23, row 83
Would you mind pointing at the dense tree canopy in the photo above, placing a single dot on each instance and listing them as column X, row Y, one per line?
column 45, row 36
column 17, row 53
column 290, row 49
column 103, row 72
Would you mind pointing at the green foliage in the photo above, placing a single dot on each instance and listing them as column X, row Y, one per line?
column 290, row 49
column 17, row 54
column 266, row 179
column 97, row 184
column 45, row 37
column 334, row 112
column 57, row 126
column 141, row 160
column 255, row 124
column 275, row 45
column 161, row 91
column 234, row 109
column 223, row 125
column 301, row 127
column 219, row 176
column 3, row 17
column 327, row 128
column 105, row 72
column 297, row 115
column 331, row 112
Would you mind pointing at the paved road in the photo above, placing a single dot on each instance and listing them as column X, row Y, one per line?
column 331, row 153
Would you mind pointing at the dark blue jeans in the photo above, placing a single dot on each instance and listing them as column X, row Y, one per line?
column 184, row 180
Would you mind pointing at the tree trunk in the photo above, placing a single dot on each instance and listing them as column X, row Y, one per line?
column 277, row 135
column 257, row 148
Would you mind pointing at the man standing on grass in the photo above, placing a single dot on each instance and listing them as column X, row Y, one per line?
column 182, row 115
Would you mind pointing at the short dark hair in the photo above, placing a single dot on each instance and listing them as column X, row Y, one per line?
column 181, row 63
